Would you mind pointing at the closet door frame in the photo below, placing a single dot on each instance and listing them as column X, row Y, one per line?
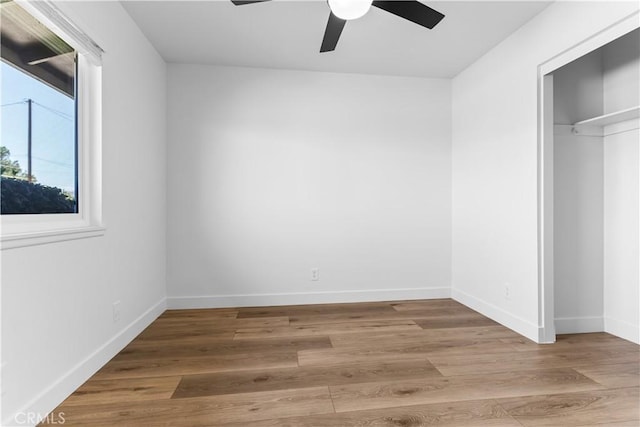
column 546, row 330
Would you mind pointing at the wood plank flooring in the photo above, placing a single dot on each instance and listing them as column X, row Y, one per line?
column 404, row 363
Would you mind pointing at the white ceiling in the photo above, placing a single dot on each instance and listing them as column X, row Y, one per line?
column 287, row 35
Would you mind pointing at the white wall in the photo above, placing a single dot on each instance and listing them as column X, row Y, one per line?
column 621, row 63
column 578, row 90
column 57, row 323
column 494, row 138
column 272, row 173
column 578, row 197
column 578, row 233
column 621, row 73
column 621, row 232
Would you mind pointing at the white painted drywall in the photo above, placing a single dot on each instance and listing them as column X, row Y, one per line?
column 578, row 198
column 621, row 73
column 495, row 162
column 578, row 233
column 57, row 321
column 578, row 90
column 272, row 173
column 621, row 232
column 621, row 63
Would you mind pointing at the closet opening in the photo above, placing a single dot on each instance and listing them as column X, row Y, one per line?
column 589, row 188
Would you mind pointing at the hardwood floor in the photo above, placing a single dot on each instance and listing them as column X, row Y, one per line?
column 414, row 363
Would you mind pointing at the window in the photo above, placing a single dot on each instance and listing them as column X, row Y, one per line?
column 49, row 127
column 38, row 134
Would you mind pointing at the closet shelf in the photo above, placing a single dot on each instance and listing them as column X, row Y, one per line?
column 611, row 118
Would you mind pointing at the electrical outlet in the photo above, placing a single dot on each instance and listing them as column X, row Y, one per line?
column 116, row 311
column 507, row 291
column 315, row 274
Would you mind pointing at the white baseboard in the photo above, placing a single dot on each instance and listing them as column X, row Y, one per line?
column 52, row 396
column 579, row 325
column 258, row 300
column 511, row 321
column 622, row 329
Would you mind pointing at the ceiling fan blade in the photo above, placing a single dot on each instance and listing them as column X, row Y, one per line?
column 332, row 33
column 412, row 10
column 241, row 2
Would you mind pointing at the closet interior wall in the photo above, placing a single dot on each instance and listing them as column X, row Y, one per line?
column 596, row 191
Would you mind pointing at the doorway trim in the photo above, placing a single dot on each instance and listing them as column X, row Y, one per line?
column 546, row 329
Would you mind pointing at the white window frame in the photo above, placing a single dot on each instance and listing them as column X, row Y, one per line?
column 36, row 229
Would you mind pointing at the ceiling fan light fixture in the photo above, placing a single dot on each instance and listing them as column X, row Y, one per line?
column 349, row 9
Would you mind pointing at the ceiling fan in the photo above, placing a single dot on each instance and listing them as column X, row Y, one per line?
column 346, row 10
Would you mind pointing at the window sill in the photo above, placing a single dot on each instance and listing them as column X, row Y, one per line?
column 20, row 240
